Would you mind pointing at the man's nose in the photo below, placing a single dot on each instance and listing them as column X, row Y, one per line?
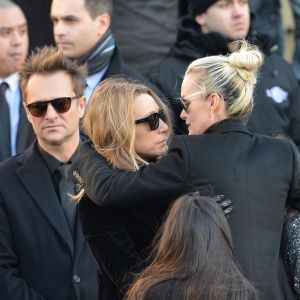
column 16, row 38
column 50, row 112
column 59, row 28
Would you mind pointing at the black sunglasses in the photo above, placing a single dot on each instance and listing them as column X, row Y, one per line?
column 61, row 105
column 153, row 119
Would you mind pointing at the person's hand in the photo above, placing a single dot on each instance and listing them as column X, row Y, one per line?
column 225, row 204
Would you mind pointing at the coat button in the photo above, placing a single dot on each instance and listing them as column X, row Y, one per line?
column 76, row 278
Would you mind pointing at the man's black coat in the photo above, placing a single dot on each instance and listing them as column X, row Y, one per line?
column 38, row 259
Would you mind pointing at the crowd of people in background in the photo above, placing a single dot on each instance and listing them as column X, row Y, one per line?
column 149, row 150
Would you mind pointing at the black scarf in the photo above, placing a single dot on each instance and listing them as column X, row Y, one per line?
column 100, row 54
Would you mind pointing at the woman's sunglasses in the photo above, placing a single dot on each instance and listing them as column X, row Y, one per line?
column 153, row 119
column 61, row 105
column 185, row 105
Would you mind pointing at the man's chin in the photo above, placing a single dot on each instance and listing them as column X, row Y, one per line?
column 67, row 52
column 238, row 37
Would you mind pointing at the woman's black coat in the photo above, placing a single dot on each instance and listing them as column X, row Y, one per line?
column 120, row 240
column 259, row 174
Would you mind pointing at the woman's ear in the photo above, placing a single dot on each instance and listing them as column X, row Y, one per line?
column 216, row 103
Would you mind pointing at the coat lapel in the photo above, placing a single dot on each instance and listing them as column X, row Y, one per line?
column 34, row 174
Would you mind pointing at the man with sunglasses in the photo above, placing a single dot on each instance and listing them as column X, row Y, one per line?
column 210, row 28
column 43, row 254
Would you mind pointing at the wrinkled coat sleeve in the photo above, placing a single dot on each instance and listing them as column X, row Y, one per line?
column 110, row 243
column 161, row 181
column 12, row 285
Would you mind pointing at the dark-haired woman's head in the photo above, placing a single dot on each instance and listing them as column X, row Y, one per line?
column 194, row 248
column 194, row 228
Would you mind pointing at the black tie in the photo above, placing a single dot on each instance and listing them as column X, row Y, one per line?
column 5, row 150
column 66, row 190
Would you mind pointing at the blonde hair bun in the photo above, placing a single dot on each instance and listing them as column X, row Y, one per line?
column 247, row 60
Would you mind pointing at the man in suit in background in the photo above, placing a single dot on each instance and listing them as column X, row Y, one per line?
column 82, row 29
column 15, row 131
column 43, row 254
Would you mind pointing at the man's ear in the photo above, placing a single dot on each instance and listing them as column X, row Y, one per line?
column 103, row 22
column 82, row 105
column 200, row 19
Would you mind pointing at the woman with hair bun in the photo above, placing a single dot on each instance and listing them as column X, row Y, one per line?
column 259, row 174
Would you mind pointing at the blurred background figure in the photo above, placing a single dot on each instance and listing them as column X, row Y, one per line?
column 15, row 131
column 82, row 30
column 193, row 257
column 268, row 21
column 295, row 6
column 39, row 22
column 269, row 18
column 145, row 31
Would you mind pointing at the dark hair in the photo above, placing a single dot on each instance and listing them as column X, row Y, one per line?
column 97, row 7
column 49, row 60
column 194, row 250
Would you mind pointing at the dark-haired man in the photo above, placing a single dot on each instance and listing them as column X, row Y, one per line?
column 82, row 30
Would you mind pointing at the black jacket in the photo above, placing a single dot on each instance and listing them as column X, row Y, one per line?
column 258, row 173
column 38, row 257
column 274, row 112
column 120, row 240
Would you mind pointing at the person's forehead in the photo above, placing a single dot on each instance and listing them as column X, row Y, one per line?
column 68, row 7
column 49, row 86
column 231, row 1
column 12, row 17
column 144, row 104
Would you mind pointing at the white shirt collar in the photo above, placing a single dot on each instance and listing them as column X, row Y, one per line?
column 93, row 80
column 12, row 81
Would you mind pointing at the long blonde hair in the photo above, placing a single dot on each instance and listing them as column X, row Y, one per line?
column 109, row 121
column 232, row 76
